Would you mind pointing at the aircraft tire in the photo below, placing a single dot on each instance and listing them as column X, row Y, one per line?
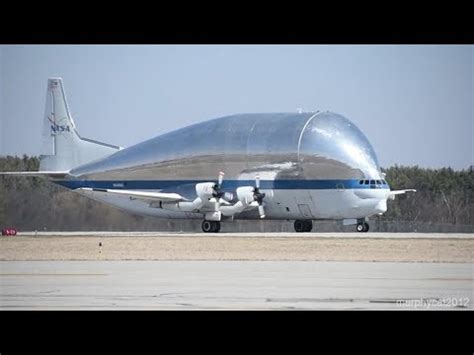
column 303, row 226
column 360, row 227
column 366, row 227
column 207, row 226
column 299, row 226
column 217, row 227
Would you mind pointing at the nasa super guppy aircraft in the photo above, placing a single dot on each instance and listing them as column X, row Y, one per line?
column 294, row 166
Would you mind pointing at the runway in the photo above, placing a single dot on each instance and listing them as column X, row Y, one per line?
column 278, row 285
column 278, row 271
column 370, row 235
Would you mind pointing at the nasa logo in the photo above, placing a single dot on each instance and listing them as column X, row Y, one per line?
column 55, row 128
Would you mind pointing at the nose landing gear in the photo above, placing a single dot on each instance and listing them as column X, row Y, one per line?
column 303, row 225
column 362, row 227
column 211, row 226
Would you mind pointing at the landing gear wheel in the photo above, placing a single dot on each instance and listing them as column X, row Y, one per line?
column 207, row 226
column 211, row 226
column 363, row 227
column 217, row 226
column 299, row 226
column 366, row 227
column 303, row 226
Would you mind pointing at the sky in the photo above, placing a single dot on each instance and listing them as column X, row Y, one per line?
column 414, row 103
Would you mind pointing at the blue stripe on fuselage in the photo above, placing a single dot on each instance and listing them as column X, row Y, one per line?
column 166, row 185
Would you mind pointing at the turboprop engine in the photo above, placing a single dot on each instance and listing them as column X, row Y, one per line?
column 247, row 196
column 205, row 190
column 214, row 201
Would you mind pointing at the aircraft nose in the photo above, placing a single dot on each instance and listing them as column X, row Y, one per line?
column 381, row 206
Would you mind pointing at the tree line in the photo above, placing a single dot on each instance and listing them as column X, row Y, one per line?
column 443, row 203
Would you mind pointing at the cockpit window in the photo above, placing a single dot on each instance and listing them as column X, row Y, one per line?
column 384, row 182
column 361, row 182
column 379, row 182
column 366, row 182
column 372, row 182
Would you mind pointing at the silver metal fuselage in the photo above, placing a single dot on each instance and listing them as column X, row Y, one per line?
column 310, row 165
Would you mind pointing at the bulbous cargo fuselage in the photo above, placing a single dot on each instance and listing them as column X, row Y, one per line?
column 281, row 146
column 305, row 161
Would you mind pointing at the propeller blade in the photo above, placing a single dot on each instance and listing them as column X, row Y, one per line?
column 261, row 211
column 221, row 178
column 229, row 196
column 257, row 181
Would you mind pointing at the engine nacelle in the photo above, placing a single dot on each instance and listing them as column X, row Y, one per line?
column 205, row 190
column 245, row 194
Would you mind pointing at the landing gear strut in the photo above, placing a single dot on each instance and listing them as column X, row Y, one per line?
column 303, row 225
column 211, row 226
column 362, row 227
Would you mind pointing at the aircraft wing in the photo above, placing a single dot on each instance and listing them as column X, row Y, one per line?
column 393, row 193
column 140, row 195
column 50, row 174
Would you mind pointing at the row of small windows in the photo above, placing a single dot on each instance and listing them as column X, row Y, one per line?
column 372, row 182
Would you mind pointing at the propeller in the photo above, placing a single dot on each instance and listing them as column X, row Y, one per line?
column 258, row 196
column 218, row 194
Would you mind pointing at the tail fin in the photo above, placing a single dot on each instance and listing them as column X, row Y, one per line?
column 63, row 147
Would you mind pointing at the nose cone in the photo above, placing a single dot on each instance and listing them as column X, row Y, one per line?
column 381, row 207
column 332, row 147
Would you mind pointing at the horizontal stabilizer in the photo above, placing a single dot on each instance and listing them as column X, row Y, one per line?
column 141, row 195
column 50, row 174
column 393, row 193
column 399, row 192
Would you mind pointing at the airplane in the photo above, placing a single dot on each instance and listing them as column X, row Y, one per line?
column 301, row 166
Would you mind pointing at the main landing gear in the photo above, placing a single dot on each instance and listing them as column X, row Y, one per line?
column 211, row 226
column 303, row 225
column 362, row 227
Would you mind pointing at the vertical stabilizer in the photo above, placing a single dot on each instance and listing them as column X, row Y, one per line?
column 63, row 147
